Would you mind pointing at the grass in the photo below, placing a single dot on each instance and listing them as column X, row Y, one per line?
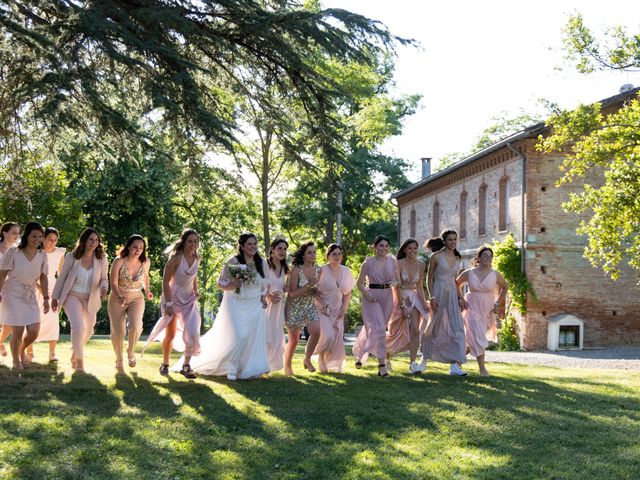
column 524, row 422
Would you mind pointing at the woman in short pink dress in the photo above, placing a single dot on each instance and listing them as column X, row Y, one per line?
column 378, row 276
column 335, row 286
column 487, row 289
column 179, row 326
column 274, row 324
column 9, row 236
column 403, row 331
column 20, row 270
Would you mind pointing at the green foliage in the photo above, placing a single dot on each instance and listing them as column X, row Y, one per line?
column 616, row 50
column 508, row 339
column 603, row 150
column 507, row 260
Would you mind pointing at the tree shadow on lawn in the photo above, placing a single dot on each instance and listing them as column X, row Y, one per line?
column 525, row 422
column 314, row 426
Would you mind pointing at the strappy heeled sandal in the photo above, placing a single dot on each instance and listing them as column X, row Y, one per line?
column 385, row 374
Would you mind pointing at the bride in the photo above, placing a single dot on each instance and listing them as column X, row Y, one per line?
column 235, row 345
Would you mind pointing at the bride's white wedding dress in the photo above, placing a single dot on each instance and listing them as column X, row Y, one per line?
column 236, row 345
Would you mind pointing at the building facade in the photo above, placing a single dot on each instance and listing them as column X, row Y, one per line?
column 510, row 187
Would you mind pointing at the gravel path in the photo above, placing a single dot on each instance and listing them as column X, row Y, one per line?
column 619, row 358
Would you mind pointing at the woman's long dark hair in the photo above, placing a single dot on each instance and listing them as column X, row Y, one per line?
column 434, row 244
column 178, row 245
column 256, row 258
column 80, row 247
column 444, row 236
column 28, row 228
column 298, row 255
column 283, row 262
column 401, row 253
column 125, row 250
column 6, row 227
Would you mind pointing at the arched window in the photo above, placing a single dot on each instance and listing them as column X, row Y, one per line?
column 436, row 219
column 412, row 223
column 503, row 218
column 463, row 215
column 482, row 210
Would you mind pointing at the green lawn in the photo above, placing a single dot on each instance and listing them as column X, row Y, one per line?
column 524, row 422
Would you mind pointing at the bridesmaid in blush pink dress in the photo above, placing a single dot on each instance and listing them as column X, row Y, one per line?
column 9, row 236
column 274, row 324
column 50, row 322
column 487, row 289
column 179, row 303
column 403, row 331
column 20, row 269
column 378, row 276
column 444, row 339
column 335, row 286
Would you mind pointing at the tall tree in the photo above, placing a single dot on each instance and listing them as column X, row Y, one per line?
column 84, row 63
column 605, row 142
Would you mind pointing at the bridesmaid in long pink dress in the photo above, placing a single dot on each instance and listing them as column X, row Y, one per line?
column 487, row 289
column 20, row 269
column 444, row 339
column 179, row 303
column 378, row 276
column 50, row 324
column 335, row 285
column 274, row 324
column 403, row 331
column 9, row 236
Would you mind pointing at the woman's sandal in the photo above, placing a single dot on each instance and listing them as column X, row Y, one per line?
column 186, row 372
column 385, row 374
column 132, row 359
column 358, row 364
column 164, row 369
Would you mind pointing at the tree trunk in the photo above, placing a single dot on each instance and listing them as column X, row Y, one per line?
column 264, row 187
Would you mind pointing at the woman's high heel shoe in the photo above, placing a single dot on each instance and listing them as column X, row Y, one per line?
column 380, row 374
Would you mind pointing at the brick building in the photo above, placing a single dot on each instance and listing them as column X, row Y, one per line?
column 481, row 197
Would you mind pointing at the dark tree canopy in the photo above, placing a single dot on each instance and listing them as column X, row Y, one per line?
column 115, row 65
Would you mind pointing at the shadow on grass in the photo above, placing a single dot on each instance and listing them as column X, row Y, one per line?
column 316, row 426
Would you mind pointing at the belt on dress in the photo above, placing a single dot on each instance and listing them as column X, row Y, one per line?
column 379, row 286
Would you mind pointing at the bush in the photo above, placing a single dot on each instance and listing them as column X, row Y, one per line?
column 508, row 339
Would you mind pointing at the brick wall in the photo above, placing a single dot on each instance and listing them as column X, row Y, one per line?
column 563, row 280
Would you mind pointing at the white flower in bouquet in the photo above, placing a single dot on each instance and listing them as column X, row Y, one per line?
column 243, row 273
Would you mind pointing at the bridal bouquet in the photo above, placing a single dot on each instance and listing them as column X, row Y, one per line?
column 243, row 273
